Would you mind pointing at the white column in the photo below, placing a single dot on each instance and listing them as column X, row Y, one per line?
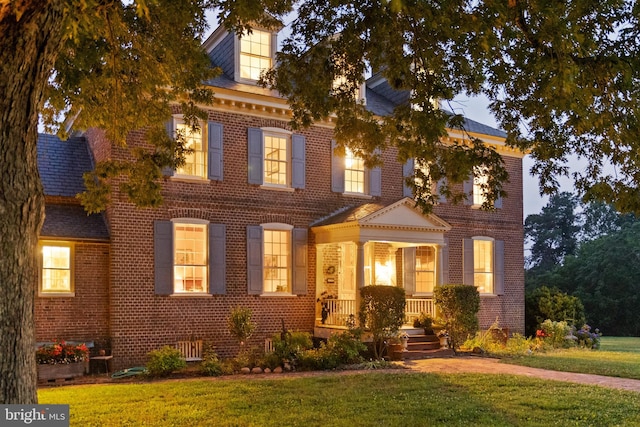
column 359, row 274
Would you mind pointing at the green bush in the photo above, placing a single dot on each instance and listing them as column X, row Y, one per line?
column 289, row 347
column 459, row 305
column 382, row 313
column 164, row 361
column 210, row 365
column 551, row 303
column 556, row 334
column 347, row 347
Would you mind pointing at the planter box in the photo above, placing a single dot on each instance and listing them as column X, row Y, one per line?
column 62, row 371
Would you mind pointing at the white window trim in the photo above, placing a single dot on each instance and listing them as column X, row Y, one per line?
column 493, row 264
column 61, row 243
column 237, row 53
column 279, row 226
column 194, row 221
column 278, row 133
column 474, row 205
column 179, row 119
column 436, row 272
column 365, row 184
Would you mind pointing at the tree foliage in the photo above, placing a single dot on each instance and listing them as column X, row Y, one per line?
column 562, row 79
column 458, row 306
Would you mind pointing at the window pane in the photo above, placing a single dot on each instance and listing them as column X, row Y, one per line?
column 190, row 258
column 425, row 268
column 56, row 269
column 195, row 162
column 255, row 54
column 483, row 265
column 276, row 261
column 480, row 179
column 275, row 161
column 353, row 173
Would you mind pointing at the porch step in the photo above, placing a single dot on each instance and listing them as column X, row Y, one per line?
column 422, row 346
column 426, row 354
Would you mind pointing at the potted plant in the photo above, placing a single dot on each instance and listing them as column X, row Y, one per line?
column 443, row 335
column 325, row 308
column 395, row 347
column 424, row 321
column 62, row 360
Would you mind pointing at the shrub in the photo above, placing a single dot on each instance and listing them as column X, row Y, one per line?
column 424, row 321
column 382, row 313
column 588, row 339
column 210, row 365
column 347, row 347
column 556, row 334
column 550, row 303
column 240, row 324
column 459, row 305
column 288, row 346
column 164, row 361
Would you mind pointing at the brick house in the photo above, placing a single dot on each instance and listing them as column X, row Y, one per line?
column 262, row 217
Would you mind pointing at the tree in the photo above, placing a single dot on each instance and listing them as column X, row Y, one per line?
column 381, row 313
column 562, row 79
column 553, row 233
column 109, row 64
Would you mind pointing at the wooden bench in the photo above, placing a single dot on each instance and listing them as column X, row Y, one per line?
column 191, row 350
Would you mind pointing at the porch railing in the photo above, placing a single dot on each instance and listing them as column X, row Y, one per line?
column 339, row 310
column 415, row 306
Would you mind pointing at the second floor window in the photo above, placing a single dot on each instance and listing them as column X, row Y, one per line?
column 276, row 164
column 196, row 161
column 354, row 173
column 480, row 180
column 255, row 54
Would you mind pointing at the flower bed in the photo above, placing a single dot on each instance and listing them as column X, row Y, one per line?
column 61, row 360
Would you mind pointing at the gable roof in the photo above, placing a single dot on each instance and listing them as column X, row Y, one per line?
column 61, row 165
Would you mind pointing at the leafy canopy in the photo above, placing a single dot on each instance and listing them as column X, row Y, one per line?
column 562, row 78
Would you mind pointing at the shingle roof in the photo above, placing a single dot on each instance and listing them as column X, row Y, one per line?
column 62, row 163
column 72, row 222
column 350, row 214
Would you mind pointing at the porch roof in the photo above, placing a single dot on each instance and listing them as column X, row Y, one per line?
column 400, row 221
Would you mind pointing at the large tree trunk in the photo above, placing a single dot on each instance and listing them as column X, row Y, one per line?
column 34, row 33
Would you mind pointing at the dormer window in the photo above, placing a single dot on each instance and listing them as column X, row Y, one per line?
column 256, row 53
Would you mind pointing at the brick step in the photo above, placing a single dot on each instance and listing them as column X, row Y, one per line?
column 426, row 354
column 426, row 345
column 423, row 338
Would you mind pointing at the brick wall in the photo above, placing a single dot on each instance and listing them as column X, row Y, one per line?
column 84, row 316
column 141, row 321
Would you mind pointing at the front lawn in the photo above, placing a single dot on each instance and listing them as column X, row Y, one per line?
column 617, row 357
column 375, row 398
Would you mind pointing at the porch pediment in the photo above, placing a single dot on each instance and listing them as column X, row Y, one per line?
column 401, row 221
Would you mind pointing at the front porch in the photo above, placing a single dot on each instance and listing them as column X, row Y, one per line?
column 373, row 244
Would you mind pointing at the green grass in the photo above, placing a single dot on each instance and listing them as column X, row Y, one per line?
column 372, row 399
column 617, row 357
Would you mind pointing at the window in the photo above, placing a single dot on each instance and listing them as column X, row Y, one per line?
column 196, row 161
column 425, row 269
column 276, row 260
column 277, row 256
column 483, row 266
column 354, row 173
column 255, row 54
column 190, row 258
column 480, row 182
column 276, row 156
column 56, row 273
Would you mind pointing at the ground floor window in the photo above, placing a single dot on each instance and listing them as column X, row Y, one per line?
column 483, row 266
column 190, row 257
column 425, row 269
column 56, row 274
column 277, row 255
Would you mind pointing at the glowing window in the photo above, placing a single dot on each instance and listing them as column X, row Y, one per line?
column 425, row 269
column 354, row 173
column 277, row 254
column 480, row 181
column 255, row 54
column 196, row 161
column 56, row 268
column 190, row 258
column 276, row 160
column 483, row 266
